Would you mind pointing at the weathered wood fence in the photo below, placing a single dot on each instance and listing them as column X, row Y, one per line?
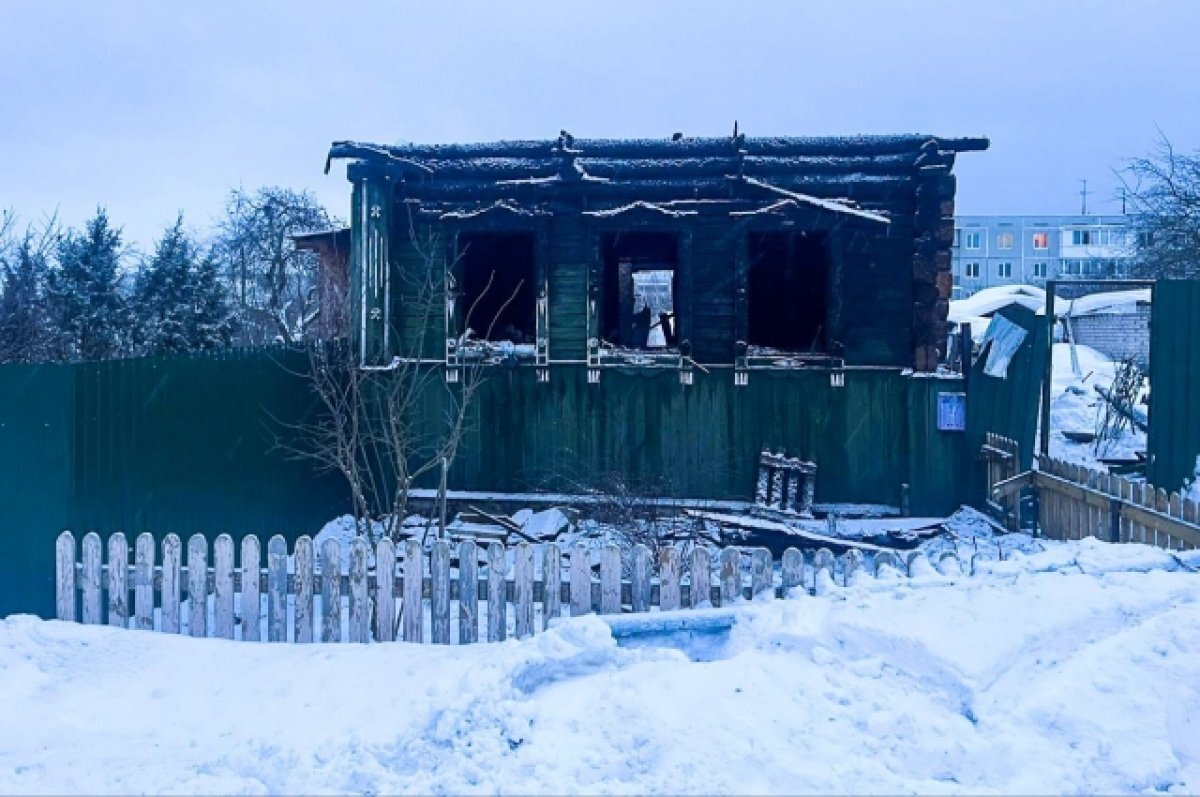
column 1001, row 456
column 1075, row 502
column 300, row 598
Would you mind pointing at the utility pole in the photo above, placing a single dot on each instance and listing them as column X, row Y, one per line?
column 1083, row 194
column 1122, row 200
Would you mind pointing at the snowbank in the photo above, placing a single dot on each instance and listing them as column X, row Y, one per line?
column 1065, row 667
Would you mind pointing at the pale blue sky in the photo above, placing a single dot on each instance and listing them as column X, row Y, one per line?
column 150, row 108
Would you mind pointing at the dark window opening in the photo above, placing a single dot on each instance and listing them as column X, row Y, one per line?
column 498, row 300
column 641, row 281
column 787, row 291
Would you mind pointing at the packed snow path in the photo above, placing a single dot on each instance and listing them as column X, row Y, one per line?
column 1074, row 669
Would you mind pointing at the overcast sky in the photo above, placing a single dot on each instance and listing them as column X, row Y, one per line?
column 151, row 108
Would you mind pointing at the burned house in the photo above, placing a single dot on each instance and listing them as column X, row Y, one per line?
column 663, row 311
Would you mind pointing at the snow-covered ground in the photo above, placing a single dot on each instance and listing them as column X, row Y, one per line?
column 1057, row 668
column 1076, row 406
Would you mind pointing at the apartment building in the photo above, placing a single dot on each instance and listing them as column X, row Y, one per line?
column 1008, row 250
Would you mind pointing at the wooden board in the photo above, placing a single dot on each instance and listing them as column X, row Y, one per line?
column 64, row 577
column 223, row 587
column 197, row 564
column 360, row 607
column 251, row 589
column 439, row 597
column 468, row 592
column 143, row 582
column 277, row 588
column 171, row 586
column 385, row 591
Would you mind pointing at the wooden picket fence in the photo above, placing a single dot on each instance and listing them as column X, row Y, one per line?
column 1001, row 457
column 371, row 603
column 1075, row 502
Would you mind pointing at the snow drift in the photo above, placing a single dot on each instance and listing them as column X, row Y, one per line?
column 1071, row 669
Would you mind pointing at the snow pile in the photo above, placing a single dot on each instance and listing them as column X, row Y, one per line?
column 1075, row 406
column 1192, row 488
column 1062, row 667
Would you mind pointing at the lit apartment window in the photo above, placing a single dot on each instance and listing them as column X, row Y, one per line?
column 971, row 270
column 1004, row 240
column 973, row 240
column 1039, row 270
column 1004, row 270
column 1041, row 240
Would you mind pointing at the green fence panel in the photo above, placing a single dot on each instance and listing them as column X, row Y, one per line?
column 160, row 444
column 199, row 443
column 1006, row 405
column 1174, row 440
column 36, row 424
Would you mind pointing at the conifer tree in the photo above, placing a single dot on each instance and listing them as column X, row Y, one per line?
column 88, row 315
column 22, row 308
column 178, row 298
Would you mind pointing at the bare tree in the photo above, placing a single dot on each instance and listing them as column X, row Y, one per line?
column 1164, row 191
column 372, row 429
column 274, row 284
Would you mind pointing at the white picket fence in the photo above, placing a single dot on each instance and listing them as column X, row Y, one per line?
column 299, row 599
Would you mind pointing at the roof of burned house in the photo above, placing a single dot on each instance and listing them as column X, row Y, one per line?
column 860, row 176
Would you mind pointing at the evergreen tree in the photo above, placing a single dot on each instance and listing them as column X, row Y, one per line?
column 179, row 301
column 89, row 317
column 213, row 320
column 22, row 310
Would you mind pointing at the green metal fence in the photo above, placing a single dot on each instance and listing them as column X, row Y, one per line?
column 159, row 444
column 1174, row 439
column 188, row 443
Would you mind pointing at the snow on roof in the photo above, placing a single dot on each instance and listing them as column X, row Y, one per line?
column 836, row 205
column 989, row 300
column 639, row 205
column 1111, row 302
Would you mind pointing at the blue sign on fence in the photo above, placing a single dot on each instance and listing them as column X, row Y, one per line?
column 952, row 412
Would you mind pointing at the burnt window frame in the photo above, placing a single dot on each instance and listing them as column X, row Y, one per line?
column 681, row 300
column 834, row 241
column 538, row 228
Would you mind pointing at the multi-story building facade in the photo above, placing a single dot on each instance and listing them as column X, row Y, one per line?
column 1008, row 250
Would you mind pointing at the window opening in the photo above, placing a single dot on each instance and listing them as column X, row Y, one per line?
column 641, row 278
column 787, row 291
column 498, row 301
